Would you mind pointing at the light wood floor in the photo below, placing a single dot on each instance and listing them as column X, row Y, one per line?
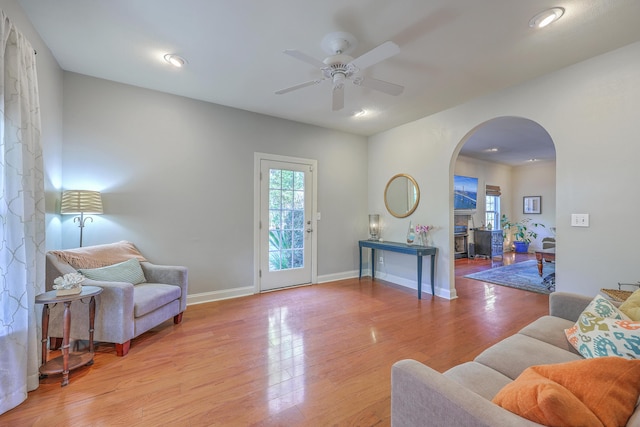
column 311, row 356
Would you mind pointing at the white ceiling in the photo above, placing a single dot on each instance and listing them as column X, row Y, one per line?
column 451, row 50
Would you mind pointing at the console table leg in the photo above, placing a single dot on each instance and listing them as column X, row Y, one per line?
column 419, row 277
column 433, row 267
column 373, row 265
column 360, row 274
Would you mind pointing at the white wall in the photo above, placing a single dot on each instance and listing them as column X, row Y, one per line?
column 590, row 111
column 536, row 179
column 177, row 180
column 50, row 88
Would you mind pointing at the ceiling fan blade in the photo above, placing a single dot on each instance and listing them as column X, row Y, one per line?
column 305, row 58
column 375, row 55
column 338, row 97
column 296, row 87
column 380, row 85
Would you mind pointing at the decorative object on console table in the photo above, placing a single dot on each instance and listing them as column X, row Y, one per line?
column 374, row 227
column 411, row 236
column 423, row 234
column 81, row 202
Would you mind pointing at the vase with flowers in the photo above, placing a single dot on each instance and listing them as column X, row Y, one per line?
column 422, row 231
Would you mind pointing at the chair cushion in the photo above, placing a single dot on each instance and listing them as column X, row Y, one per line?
column 128, row 272
column 148, row 297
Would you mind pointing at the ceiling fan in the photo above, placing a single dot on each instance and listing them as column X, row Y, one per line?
column 340, row 67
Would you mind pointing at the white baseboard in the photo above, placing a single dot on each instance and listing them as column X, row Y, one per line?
column 219, row 295
column 249, row 290
column 338, row 276
column 412, row 284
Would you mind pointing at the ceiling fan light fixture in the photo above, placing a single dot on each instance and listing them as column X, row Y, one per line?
column 175, row 60
column 546, row 17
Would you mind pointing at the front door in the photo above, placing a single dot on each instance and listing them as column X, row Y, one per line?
column 286, row 223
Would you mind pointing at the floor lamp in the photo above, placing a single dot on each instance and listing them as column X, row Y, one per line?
column 81, row 202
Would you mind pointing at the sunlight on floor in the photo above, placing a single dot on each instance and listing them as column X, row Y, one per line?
column 285, row 361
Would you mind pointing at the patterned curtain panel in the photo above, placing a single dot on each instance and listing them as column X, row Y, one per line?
column 21, row 217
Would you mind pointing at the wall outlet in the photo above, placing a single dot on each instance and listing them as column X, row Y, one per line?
column 381, row 260
column 579, row 220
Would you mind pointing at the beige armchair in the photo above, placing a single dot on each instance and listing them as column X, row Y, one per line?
column 123, row 310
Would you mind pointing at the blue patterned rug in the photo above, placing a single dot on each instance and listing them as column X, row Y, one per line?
column 523, row 275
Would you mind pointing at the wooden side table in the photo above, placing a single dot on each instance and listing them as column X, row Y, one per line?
column 67, row 361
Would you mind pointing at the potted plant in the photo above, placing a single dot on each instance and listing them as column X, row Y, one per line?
column 522, row 234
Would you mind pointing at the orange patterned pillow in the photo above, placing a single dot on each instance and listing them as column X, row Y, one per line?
column 591, row 392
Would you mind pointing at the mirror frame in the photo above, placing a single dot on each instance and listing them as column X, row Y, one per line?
column 415, row 205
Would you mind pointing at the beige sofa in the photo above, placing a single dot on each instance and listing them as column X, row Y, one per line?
column 123, row 310
column 461, row 396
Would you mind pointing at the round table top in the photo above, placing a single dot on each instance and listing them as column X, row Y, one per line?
column 50, row 297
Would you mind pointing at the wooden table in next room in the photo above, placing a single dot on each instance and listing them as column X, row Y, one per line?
column 402, row 248
column 546, row 255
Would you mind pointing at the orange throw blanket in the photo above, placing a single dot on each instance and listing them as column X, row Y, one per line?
column 99, row 255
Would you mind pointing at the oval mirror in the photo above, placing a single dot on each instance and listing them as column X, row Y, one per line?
column 402, row 195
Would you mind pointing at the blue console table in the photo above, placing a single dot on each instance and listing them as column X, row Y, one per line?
column 402, row 248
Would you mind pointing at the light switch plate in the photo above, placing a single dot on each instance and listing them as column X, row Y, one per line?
column 579, row 220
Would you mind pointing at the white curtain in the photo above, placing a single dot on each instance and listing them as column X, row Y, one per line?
column 21, row 217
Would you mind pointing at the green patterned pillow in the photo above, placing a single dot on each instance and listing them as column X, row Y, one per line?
column 128, row 271
column 595, row 336
column 602, row 307
column 603, row 330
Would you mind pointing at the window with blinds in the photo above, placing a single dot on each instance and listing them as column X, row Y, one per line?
column 492, row 206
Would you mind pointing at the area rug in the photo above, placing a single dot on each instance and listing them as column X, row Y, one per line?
column 523, row 275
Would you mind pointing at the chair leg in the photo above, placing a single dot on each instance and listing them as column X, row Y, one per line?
column 177, row 318
column 55, row 343
column 123, row 349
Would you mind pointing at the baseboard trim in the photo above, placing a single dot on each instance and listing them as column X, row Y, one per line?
column 219, row 295
column 213, row 296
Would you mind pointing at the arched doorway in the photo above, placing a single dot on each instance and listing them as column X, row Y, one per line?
column 513, row 157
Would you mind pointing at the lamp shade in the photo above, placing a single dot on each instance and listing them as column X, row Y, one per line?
column 81, row 201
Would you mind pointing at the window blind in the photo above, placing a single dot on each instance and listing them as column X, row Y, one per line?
column 492, row 190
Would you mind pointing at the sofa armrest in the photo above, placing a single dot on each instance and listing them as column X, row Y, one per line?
column 113, row 319
column 567, row 305
column 421, row 396
column 169, row 275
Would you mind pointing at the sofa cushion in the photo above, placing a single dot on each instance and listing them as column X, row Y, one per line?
column 550, row 329
column 592, row 392
column 596, row 336
column 478, row 378
column 514, row 354
column 148, row 297
column 128, row 271
column 631, row 307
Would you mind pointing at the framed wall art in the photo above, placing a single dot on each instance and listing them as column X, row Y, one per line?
column 532, row 204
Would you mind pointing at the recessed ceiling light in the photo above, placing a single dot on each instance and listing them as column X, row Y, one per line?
column 175, row 60
column 491, row 150
column 546, row 17
column 359, row 113
column 532, row 160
